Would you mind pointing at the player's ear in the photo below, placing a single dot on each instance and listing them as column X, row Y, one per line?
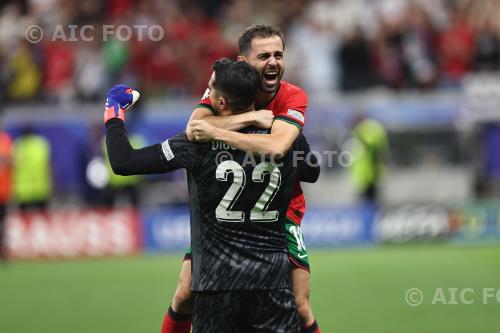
column 222, row 103
column 242, row 58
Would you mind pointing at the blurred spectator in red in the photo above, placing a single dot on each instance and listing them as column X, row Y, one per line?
column 118, row 8
column 397, row 43
column 58, row 69
column 388, row 58
column 456, row 48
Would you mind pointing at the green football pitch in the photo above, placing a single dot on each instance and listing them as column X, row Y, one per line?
column 353, row 290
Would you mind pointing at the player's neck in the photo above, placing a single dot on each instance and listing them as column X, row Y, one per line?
column 229, row 112
column 263, row 99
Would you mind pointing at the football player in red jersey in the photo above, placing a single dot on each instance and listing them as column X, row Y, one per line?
column 283, row 110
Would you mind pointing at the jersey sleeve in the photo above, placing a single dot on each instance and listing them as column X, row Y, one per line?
column 294, row 108
column 124, row 159
column 179, row 153
column 206, row 103
column 308, row 166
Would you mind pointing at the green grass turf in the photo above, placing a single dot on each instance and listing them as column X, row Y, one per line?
column 353, row 290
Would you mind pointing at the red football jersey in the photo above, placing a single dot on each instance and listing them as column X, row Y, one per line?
column 289, row 104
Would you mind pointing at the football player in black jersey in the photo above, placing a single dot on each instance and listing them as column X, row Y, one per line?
column 238, row 204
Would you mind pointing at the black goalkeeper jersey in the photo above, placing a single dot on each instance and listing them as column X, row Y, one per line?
column 238, row 205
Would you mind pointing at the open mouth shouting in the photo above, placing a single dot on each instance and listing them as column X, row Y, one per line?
column 270, row 78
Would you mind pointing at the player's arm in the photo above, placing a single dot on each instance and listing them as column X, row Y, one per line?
column 124, row 159
column 285, row 129
column 277, row 143
column 205, row 111
column 309, row 168
column 261, row 119
column 172, row 154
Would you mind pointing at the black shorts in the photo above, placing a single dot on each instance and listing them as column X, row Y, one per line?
column 255, row 311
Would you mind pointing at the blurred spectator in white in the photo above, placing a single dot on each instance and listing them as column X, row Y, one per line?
column 347, row 16
column 90, row 72
column 311, row 46
column 9, row 26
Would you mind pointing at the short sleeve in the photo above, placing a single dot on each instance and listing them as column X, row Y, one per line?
column 309, row 168
column 294, row 108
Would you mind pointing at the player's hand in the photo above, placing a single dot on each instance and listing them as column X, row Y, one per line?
column 120, row 98
column 202, row 130
column 263, row 119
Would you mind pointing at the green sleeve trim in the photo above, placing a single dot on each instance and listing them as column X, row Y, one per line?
column 290, row 121
column 207, row 107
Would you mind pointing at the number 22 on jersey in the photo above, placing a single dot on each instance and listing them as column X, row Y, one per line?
column 259, row 212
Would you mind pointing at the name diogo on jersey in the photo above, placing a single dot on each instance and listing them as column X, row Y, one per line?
column 219, row 145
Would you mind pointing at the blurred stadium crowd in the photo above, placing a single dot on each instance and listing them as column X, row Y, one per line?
column 333, row 48
column 332, row 45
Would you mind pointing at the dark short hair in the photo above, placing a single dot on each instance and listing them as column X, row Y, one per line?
column 237, row 81
column 257, row 31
